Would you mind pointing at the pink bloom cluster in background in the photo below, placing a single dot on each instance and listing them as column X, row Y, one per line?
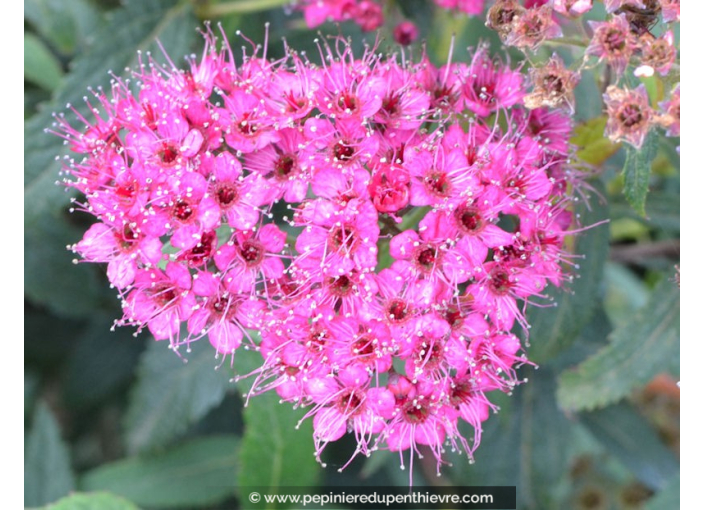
column 382, row 227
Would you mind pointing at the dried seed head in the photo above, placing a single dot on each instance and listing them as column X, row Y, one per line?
column 553, row 86
column 501, row 15
column 630, row 115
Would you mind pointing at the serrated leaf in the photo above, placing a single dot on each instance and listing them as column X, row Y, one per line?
column 592, row 146
column 627, row 435
column 636, row 172
column 40, row 66
column 663, row 211
column 274, row 453
column 637, row 352
column 47, row 466
column 196, row 473
column 170, row 394
column 92, row 501
column 554, row 329
column 527, row 445
column 668, row 497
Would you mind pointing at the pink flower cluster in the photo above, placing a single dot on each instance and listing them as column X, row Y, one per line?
column 368, row 14
column 382, row 224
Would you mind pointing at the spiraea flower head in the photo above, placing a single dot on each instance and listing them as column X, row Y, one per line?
column 256, row 196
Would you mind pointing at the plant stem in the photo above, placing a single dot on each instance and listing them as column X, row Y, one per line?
column 240, row 7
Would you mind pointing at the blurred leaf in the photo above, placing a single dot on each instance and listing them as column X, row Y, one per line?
column 92, row 501
column 554, row 329
column 31, row 385
column 170, row 394
column 627, row 435
column 199, row 472
column 636, row 172
column 47, row 467
column 40, row 66
column 638, row 351
column 64, row 23
column 33, row 98
column 655, row 88
column 526, row 445
column 593, row 146
column 588, row 91
column 625, row 294
column 663, row 211
column 668, row 497
column 50, row 277
column 274, row 452
column 101, row 362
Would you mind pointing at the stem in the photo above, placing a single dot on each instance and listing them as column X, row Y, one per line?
column 567, row 41
column 240, row 7
column 632, row 254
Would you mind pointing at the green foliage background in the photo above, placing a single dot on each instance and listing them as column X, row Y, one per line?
column 114, row 421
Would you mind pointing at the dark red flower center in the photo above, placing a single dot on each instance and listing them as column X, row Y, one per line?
column 350, row 403
column 341, row 286
column 426, row 258
column 284, row 166
column 397, row 310
column 168, row 154
column 226, row 194
column 415, row 412
column 252, row 253
column 182, row 210
column 342, row 151
column 500, row 281
column 347, row 102
column 437, row 183
column 469, row 219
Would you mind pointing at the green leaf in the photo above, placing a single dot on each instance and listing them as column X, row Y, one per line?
column 592, row 338
column 554, row 329
column 170, row 394
column 66, row 24
column 527, row 445
column 136, row 26
column 47, row 467
column 636, row 172
column 92, row 501
column 50, row 277
column 637, row 352
column 668, row 497
column 274, row 452
column 592, row 146
column 626, row 293
column 663, row 211
column 627, row 435
column 40, row 66
column 101, row 362
column 196, row 473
